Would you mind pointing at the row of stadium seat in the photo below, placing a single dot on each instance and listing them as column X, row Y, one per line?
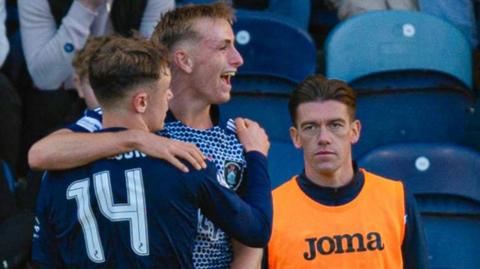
column 415, row 100
column 412, row 73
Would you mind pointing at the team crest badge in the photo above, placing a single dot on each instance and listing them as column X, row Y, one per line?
column 232, row 174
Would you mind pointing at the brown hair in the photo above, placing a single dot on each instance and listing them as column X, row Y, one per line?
column 176, row 25
column 318, row 88
column 121, row 64
column 82, row 57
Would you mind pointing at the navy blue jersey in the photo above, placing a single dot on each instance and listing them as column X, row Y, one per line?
column 133, row 211
column 91, row 121
column 221, row 145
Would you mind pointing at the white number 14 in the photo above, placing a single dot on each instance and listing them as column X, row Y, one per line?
column 134, row 211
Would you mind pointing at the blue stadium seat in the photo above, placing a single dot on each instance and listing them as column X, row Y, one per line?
column 271, row 112
column 284, row 161
column 445, row 179
column 472, row 131
column 276, row 53
column 412, row 85
column 384, row 41
column 268, row 110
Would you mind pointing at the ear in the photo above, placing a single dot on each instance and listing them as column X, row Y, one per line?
column 355, row 132
column 295, row 137
column 140, row 102
column 182, row 60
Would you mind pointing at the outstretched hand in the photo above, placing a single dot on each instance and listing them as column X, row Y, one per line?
column 252, row 136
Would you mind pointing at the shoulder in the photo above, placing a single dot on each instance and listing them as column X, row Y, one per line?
column 286, row 189
column 377, row 179
column 91, row 121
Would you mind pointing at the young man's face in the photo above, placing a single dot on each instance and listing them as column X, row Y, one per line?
column 159, row 102
column 326, row 132
column 215, row 60
column 85, row 91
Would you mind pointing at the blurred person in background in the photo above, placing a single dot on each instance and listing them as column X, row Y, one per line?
column 52, row 31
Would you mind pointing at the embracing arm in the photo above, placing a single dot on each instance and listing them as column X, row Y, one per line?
column 65, row 149
column 248, row 220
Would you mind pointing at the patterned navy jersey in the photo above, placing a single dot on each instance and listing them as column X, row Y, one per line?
column 221, row 145
column 133, row 211
column 91, row 121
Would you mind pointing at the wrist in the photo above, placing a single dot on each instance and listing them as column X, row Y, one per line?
column 131, row 139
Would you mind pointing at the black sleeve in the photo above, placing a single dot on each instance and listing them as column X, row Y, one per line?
column 414, row 248
column 249, row 220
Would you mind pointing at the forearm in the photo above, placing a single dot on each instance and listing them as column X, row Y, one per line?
column 46, row 51
column 248, row 220
column 246, row 257
column 65, row 149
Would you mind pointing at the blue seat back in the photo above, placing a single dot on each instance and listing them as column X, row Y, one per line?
column 271, row 112
column 390, row 41
column 273, row 49
column 445, row 180
column 428, row 115
column 284, row 162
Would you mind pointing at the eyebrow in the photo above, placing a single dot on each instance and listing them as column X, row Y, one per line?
column 328, row 121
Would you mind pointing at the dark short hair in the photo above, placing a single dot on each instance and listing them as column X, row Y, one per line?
column 176, row 25
column 121, row 64
column 318, row 88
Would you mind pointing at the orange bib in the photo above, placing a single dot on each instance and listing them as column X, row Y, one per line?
column 364, row 233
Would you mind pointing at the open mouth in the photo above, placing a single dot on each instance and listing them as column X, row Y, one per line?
column 227, row 77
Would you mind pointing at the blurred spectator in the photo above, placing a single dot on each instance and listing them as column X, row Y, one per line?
column 10, row 104
column 4, row 47
column 349, row 8
column 52, row 31
column 460, row 13
column 80, row 64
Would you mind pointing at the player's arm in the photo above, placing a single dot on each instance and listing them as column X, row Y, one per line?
column 414, row 249
column 244, row 256
column 65, row 149
column 248, row 220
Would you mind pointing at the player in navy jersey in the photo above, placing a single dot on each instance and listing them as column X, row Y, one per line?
column 203, row 58
column 134, row 211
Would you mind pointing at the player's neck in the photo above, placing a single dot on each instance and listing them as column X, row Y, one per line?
column 336, row 179
column 124, row 120
column 195, row 117
column 190, row 110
